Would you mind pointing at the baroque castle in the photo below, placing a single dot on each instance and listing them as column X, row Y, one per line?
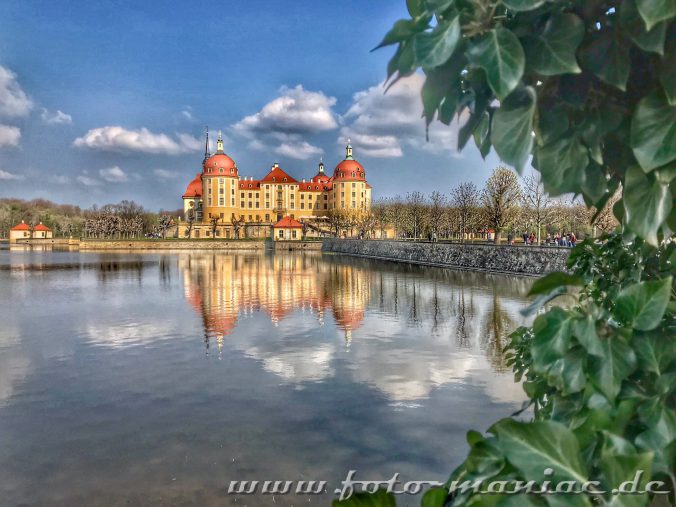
column 219, row 202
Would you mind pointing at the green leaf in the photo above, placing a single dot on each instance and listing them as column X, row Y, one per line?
column 523, row 5
column 554, row 280
column 481, row 135
column 653, row 132
column 568, row 374
column 468, row 129
column 552, row 338
column 607, row 56
column 654, row 11
column 642, row 305
column 553, row 51
column 415, row 7
column 439, row 6
column 667, row 69
column 379, row 499
column 500, row 55
column 402, row 30
column 533, row 447
column 647, row 203
column 434, row 48
column 512, row 127
column 562, row 165
column 620, row 468
column 584, row 329
column 434, row 497
column 617, row 363
column 655, row 352
column 632, row 22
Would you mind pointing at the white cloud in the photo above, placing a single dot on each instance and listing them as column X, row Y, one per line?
column 113, row 175
column 380, row 124
column 58, row 179
column 58, row 118
column 165, row 174
column 116, row 138
column 13, row 100
column 300, row 150
column 87, row 181
column 295, row 111
column 4, row 175
column 187, row 115
column 9, row 136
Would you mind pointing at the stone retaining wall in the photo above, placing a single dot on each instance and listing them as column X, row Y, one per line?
column 521, row 260
column 293, row 245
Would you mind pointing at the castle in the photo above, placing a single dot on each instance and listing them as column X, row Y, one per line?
column 219, row 202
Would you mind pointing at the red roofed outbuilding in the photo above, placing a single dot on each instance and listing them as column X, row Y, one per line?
column 287, row 229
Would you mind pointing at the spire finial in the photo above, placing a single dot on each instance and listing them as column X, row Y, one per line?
column 321, row 165
column 219, row 143
column 207, row 154
column 348, row 150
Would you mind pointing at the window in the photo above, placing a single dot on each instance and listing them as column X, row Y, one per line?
column 302, row 196
column 284, row 179
column 354, row 184
column 293, row 234
column 258, row 204
column 302, row 205
column 291, row 206
column 221, row 190
column 250, row 218
column 250, row 206
column 221, row 202
column 353, row 204
column 267, row 204
column 207, row 233
column 222, row 215
column 241, row 204
column 250, row 194
column 281, row 233
column 267, row 217
column 242, row 195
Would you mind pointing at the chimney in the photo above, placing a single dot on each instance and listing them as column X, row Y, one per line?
column 275, row 165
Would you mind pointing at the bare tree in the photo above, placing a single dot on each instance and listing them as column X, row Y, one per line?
column 437, row 211
column 465, row 199
column 537, row 204
column 381, row 214
column 416, row 204
column 165, row 222
column 501, row 199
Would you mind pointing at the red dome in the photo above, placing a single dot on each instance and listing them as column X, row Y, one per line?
column 194, row 187
column 219, row 165
column 349, row 170
column 320, row 178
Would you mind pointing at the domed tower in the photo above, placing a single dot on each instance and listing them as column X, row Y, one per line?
column 219, row 183
column 350, row 189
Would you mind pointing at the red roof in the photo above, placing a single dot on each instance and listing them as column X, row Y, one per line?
column 41, row 227
column 349, row 170
column 315, row 186
column 194, row 187
column 219, row 165
column 21, row 227
column 253, row 184
column 278, row 175
column 288, row 223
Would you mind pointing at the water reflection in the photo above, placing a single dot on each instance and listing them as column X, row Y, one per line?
column 405, row 330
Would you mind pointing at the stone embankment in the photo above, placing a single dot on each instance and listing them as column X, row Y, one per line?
column 520, row 260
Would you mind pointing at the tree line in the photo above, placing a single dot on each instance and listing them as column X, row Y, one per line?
column 505, row 206
column 126, row 219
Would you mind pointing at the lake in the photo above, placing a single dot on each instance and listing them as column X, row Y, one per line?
column 157, row 378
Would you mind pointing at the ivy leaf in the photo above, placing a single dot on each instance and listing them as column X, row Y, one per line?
column 568, row 374
column 660, row 434
column 500, row 55
column 553, row 51
column 533, row 447
column 378, row 499
column 523, row 5
column 647, row 40
column 643, row 304
column 434, row 48
column 608, row 57
column 402, row 30
column 655, row 352
column 584, row 329
column 415, row 7
column 552, row 338
column 616, row 364
column 647, row 203
column 434, row 497
column 562, row 165
column 667, row 69
column 619, row 468
column 512, row 127
column 481, row 135
column 552, row 123
column 653, row 132
column 554, row 280
column 654, row 11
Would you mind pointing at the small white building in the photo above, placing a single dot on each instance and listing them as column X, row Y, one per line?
column 287, row 229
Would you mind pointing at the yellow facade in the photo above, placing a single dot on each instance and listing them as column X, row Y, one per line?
column 220, row 202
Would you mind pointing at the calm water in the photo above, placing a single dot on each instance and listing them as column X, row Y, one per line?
column 155, row 379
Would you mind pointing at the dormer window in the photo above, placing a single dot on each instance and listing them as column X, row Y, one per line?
column 284, row 179
column 353, row 175
column 274, row 178
column 220, row 170
column 232, row 170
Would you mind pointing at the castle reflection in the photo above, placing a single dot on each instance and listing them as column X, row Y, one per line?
column 404, row 330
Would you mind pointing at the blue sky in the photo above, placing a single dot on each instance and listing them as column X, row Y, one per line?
column 103, row 101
